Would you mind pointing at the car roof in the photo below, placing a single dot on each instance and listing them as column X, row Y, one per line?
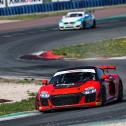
column 80, row 67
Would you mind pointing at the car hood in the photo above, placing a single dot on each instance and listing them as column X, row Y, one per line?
column 52, row 90
column 74, row 19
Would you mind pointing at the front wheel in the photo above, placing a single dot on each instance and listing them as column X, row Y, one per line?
column 83, row 25
column 60, row 29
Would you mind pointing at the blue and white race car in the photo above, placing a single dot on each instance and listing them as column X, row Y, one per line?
column 77, row 20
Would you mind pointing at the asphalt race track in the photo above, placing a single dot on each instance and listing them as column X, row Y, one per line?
column 15, row 44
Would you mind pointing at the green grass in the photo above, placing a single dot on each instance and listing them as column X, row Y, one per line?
column 36, row 15
column 106, row 48
column 31, row 16
column 24, row 105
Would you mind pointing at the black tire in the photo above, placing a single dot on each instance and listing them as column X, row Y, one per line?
column 94, row 24
column 120, row 92
column 36, row 105
column 49, row 111
column 103, row 95
column 83, row 25
column 61, row 29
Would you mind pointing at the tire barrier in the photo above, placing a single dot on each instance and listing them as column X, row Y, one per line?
column 57, row 6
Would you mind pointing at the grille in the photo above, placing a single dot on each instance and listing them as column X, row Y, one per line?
column 68, row 99
column 66, row 23
column 69, row 23
column 90, row 97
column 44, row 101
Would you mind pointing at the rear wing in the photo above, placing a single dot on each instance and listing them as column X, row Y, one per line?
column 107, row 67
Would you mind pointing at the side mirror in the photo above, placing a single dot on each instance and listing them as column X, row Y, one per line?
column 45, row 82
column 104, row 76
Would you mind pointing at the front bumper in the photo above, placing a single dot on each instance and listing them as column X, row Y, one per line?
column 70, row 26
column 68, row 101
column 91, row 104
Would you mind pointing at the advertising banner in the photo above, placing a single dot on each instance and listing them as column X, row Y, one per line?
column 60, row 0
column 2, row 4
column 12, row 3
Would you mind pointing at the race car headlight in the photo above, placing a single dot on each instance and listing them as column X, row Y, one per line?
column 44, row 94
column 61, row 22
column 78, row 22
column 89, row 90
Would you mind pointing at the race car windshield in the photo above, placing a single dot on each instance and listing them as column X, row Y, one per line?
column 75, row 15
column 76, row 77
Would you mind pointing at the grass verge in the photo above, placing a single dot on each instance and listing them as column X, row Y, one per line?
column 106, row 48
column 20, row 81
column 31, row 16
column 24, row 105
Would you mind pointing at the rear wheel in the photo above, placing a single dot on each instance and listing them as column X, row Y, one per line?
column 120, row 92
column 103, row 95
column 94, row 24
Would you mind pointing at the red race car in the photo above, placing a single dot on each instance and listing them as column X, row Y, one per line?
column 80, row 86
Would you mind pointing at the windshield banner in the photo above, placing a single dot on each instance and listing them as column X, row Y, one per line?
column 2, row 4
column 74, row 71
column 12, row 3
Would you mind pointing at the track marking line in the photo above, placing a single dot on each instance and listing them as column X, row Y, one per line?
column 18, row 115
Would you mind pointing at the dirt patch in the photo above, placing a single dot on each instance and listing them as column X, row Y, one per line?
column 13, row 92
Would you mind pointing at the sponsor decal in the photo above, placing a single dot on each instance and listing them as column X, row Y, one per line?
column 12, row 3
column 2, row 4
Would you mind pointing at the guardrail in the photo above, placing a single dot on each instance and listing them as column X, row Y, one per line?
column 57, row 6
